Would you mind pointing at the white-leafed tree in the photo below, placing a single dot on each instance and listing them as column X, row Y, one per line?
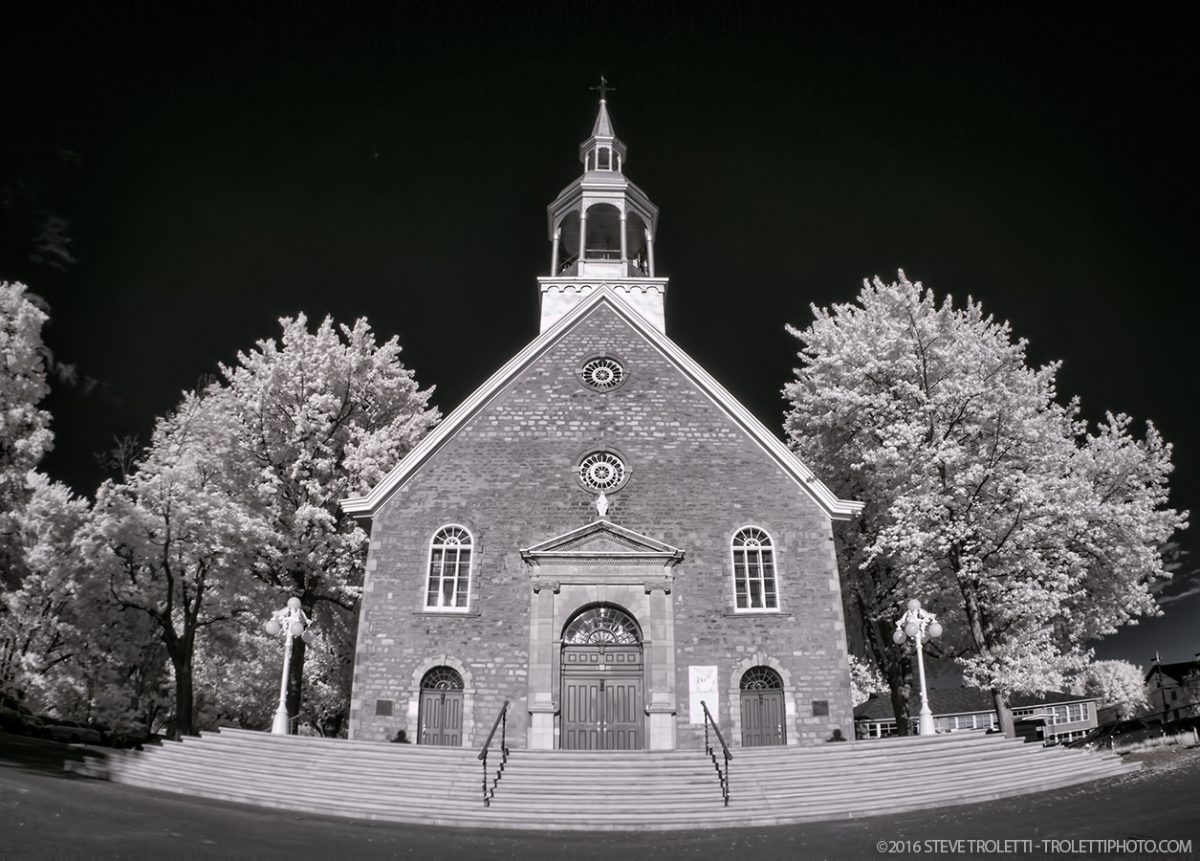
column 320, row 415
column 985, row 496
column 171, row 545
column 1120, row 685
column 25, row 434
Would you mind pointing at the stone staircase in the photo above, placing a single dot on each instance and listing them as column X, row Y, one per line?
column 611, row 790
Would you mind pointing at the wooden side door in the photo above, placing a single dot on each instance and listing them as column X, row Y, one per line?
column 763, row 718
column 441, row 718
column 580, row 713
column 622, row 712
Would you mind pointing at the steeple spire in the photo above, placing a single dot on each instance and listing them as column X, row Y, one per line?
column 602, row 230
column 603, row 126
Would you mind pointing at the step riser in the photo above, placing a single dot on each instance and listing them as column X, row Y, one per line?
column 587, row 790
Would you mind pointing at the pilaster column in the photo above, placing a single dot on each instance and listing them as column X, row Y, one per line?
column 554, row 253
column 582, row 234
column 624, row 253
column 542, row 707
column 650, row 251
column 660, row 702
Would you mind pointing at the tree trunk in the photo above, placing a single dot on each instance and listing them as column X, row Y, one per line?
column 184, row 699
column 900, row 694
column 1004, row 713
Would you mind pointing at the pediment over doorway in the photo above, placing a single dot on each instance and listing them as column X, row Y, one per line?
column 603, row 542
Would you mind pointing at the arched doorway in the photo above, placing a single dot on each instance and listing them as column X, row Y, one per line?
column 601, row 681
column 763, row 721
column 441, row 710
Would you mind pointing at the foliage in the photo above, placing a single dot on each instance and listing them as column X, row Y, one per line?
column 172, row 545
column 985, row 497
column 1114, row 683
column 319, row 416
column 25, row 434
column 865, row 679
column 39, row 624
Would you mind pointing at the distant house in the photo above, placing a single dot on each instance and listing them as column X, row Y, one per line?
column 1068, row 716
column 1173, row 690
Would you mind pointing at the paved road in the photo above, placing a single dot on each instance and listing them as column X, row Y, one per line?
column 45, row 814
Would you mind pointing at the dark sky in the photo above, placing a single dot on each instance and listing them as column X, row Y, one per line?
column 239, row 162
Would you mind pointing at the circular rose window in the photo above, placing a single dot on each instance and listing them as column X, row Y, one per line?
column 601, row 471
column 603, row 373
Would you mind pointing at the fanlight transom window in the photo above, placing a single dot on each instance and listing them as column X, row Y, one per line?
column 442, row 679
column 754, row 584
column 602, row 626
column 602, row 470
column 449, row 583
column 603, row 373
column 761, row 679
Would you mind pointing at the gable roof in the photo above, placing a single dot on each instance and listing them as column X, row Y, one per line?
column 1177, row 671
column 835, row 508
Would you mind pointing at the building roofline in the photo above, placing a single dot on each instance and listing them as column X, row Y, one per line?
column 837, row 509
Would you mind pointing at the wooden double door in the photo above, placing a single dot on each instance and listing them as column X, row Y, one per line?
column 763, row 721
column 441, row 718
column 602, row 698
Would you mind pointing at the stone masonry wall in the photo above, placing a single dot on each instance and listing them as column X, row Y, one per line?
column 508, row 476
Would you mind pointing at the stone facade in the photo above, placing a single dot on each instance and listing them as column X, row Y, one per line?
column 508, row 474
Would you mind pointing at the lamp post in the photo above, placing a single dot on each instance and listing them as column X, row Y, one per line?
column 918, row 625
column 292, row 622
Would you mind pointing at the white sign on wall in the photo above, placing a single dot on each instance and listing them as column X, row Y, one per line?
column 702, row 685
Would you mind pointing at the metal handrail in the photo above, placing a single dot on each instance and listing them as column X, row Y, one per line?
column 501, row 724
column 722, row 775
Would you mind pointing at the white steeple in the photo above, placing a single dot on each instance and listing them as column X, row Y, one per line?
column 613, row 222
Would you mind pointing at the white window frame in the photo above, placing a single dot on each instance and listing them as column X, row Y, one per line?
column 771, row 547
column 441, row 575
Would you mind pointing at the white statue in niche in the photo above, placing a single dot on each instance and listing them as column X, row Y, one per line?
column 602, row 504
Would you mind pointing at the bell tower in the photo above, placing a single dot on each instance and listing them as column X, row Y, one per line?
column 602, row 230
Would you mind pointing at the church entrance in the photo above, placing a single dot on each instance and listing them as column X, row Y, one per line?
column 602, row 676
column 763, row 721
column 441, row 709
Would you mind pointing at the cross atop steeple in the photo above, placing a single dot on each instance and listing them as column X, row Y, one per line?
column 603, row 87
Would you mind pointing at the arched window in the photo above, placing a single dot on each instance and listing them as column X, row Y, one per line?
column 754, row 570
column 761, row 679
column 605, row 625
column 449, row 583
column 442, row 679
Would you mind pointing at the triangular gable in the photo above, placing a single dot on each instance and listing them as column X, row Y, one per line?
column 837, row 509
column 602, row 539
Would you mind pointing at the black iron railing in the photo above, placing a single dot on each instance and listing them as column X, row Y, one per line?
column 722, row 773
column 501, row 724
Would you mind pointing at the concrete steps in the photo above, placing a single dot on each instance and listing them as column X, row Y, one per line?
column 610, row 790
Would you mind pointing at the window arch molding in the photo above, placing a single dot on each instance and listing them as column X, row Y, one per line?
column 754, row 561
column 448, row 572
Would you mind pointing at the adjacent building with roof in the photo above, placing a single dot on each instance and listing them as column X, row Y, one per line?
column 1067, row 716
column 1173, row 690
column 601, row 533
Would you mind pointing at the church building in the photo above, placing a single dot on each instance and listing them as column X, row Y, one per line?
column 601, row 534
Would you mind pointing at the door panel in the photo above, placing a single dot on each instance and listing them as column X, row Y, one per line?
column 763, row 718
column 441, row 718
column 601, row 698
